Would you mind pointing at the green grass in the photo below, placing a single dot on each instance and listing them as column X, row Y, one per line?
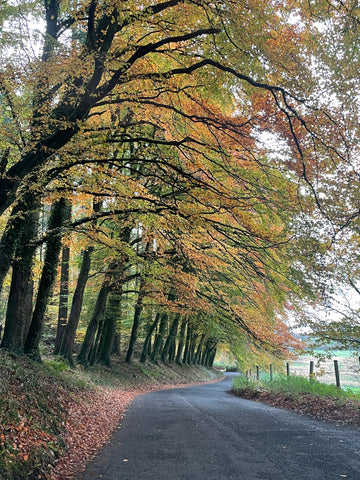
column 294, row 385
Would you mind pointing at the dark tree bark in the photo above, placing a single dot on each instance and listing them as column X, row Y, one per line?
column 209, row 353
column 63, row 299
column 186, row 357
column 28, row 307
column 137, row 314
column 113, row 309
column 95, row 346
column 102, row 351
column 172, row 352
column 63, row 294
column 48, row 275
column 19, row 307
column 90, row 350
column 159, row 338
column 13, row 234
column 205, row 353
column 171, row 339
column 67, row 345
column 179, row 353
column 197, row 358
column 192, row 346
column 116, row 347
column 106, row 341
column 212, row 356
column 146, row 351
column 95, row 321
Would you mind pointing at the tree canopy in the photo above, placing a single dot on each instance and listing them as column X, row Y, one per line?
column 169, row 153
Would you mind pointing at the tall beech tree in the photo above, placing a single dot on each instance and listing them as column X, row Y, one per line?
column 19, row 308
column 59, row 214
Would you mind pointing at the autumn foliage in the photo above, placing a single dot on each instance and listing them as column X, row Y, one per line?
column 156, row 161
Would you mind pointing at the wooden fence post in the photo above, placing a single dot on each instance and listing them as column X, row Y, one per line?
column 311, row 376
column 337, row 373
column 288, row 369
column 257, row 372
column 271, row 372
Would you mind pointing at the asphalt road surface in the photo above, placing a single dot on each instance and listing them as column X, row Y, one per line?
column 205, row 433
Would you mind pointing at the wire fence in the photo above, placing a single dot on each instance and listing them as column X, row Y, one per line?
column 343, row 372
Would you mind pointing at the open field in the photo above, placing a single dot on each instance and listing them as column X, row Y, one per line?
column 324, row 370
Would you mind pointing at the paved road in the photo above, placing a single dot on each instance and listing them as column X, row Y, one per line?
column 204, row 433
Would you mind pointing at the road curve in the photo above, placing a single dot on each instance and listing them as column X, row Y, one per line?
column 205, row 433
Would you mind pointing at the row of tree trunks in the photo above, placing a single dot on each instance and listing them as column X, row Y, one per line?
column 180, row 347
column 90, row 345
column 102, row 352
column 146, row 351
column 170, row 338
column 23, row 327
column 66, row 331
column 168, row 352
column 67, row 344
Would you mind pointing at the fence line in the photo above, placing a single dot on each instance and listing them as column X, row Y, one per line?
column 311, row 372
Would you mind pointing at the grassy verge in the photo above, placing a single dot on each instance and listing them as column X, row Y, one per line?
column 292, row 385
column 35, row 399
column 321, row 401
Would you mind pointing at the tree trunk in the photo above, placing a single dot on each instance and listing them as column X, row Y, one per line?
column 67, row 345
column 147, row 344
column 28, row 307
column 197, row 359
column 63, row 299
column 16, row 224
column 92, row 357
column 205, row 353
column 186, row 357
column 181, row 343
column 170, row 341
column 212, row 356
column 89, row 348
column 116, row 344
column 136, row 322
column 48, row 275
column 63, row 294
column 19, row 307
column 103, row 351
column 209, row 353
column 159, row 339
column 192, row 346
